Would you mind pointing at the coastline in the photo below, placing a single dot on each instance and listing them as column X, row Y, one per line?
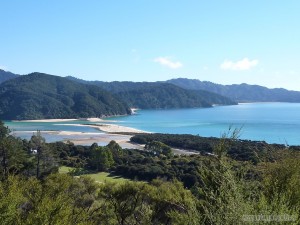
column 88, row 138
column 108, row 132
column 61, row 120
column 120, row 134
column 90, row 119
column 111, row 128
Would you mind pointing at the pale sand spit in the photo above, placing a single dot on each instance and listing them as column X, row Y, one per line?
column 122, row 140
column 109, row 128
column 113, row 128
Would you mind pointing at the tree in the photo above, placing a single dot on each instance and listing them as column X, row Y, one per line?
column 159, row 202
column 12, row 155
column 222, row 192
column 101, row 158
column 115, row 148
column 159, row 148
column 4, row 131
column 226, row 140
column 45, row 160
column 59, row 199
column 281, row 185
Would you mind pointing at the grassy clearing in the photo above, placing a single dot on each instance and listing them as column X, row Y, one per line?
column 65, row 169
column 99, row 177
column 106, row 177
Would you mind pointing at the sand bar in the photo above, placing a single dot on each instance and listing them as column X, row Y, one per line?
column 113, row 128
column 109, row 128
column 102, row 138
column 88, row 138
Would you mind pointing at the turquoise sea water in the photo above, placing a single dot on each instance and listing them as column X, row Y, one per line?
column 271, row 122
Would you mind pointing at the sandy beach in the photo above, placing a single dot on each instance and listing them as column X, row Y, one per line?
column 86, row 138
column 109, row 128
column 120, row 134
column 113, row 128
column 122, row 140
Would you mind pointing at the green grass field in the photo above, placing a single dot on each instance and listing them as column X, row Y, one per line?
column 65, row 169
column 106, row 177
column 99, row 177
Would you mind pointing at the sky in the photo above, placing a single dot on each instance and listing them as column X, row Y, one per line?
column 226, row 42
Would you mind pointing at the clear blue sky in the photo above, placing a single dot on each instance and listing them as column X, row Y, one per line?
column 225, row 41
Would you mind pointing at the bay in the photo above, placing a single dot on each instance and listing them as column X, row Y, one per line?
column 270, row 122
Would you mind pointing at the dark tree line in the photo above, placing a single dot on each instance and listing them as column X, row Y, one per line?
column 243, row 150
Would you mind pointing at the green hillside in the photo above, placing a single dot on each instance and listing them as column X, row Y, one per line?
column 37, row 96
column 158, row 95
column 163, row 96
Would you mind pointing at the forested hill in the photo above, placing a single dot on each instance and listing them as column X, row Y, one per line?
column 240, row 92
column 37, row 96
column 212, row 93
column 169, row 96
column 4, row 76
column 157, row 95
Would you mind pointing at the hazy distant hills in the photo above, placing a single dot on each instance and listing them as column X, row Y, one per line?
column 240, row 92
column 157, row 95
column 4, row 76
column 37, row 96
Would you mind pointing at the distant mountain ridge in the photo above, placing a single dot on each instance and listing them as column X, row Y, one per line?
column 43, row 96
column 39, row 96
column 240, row 92
column 5, row 75
column 157, row 95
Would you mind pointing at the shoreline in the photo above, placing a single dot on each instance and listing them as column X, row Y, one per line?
column 120, row 134
column 61, row 120
column 100, row 124
column 88, row 138
column 90, row 119
column 106, row 132
column 109, row 128
column 264, row 134
column 102, row 139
